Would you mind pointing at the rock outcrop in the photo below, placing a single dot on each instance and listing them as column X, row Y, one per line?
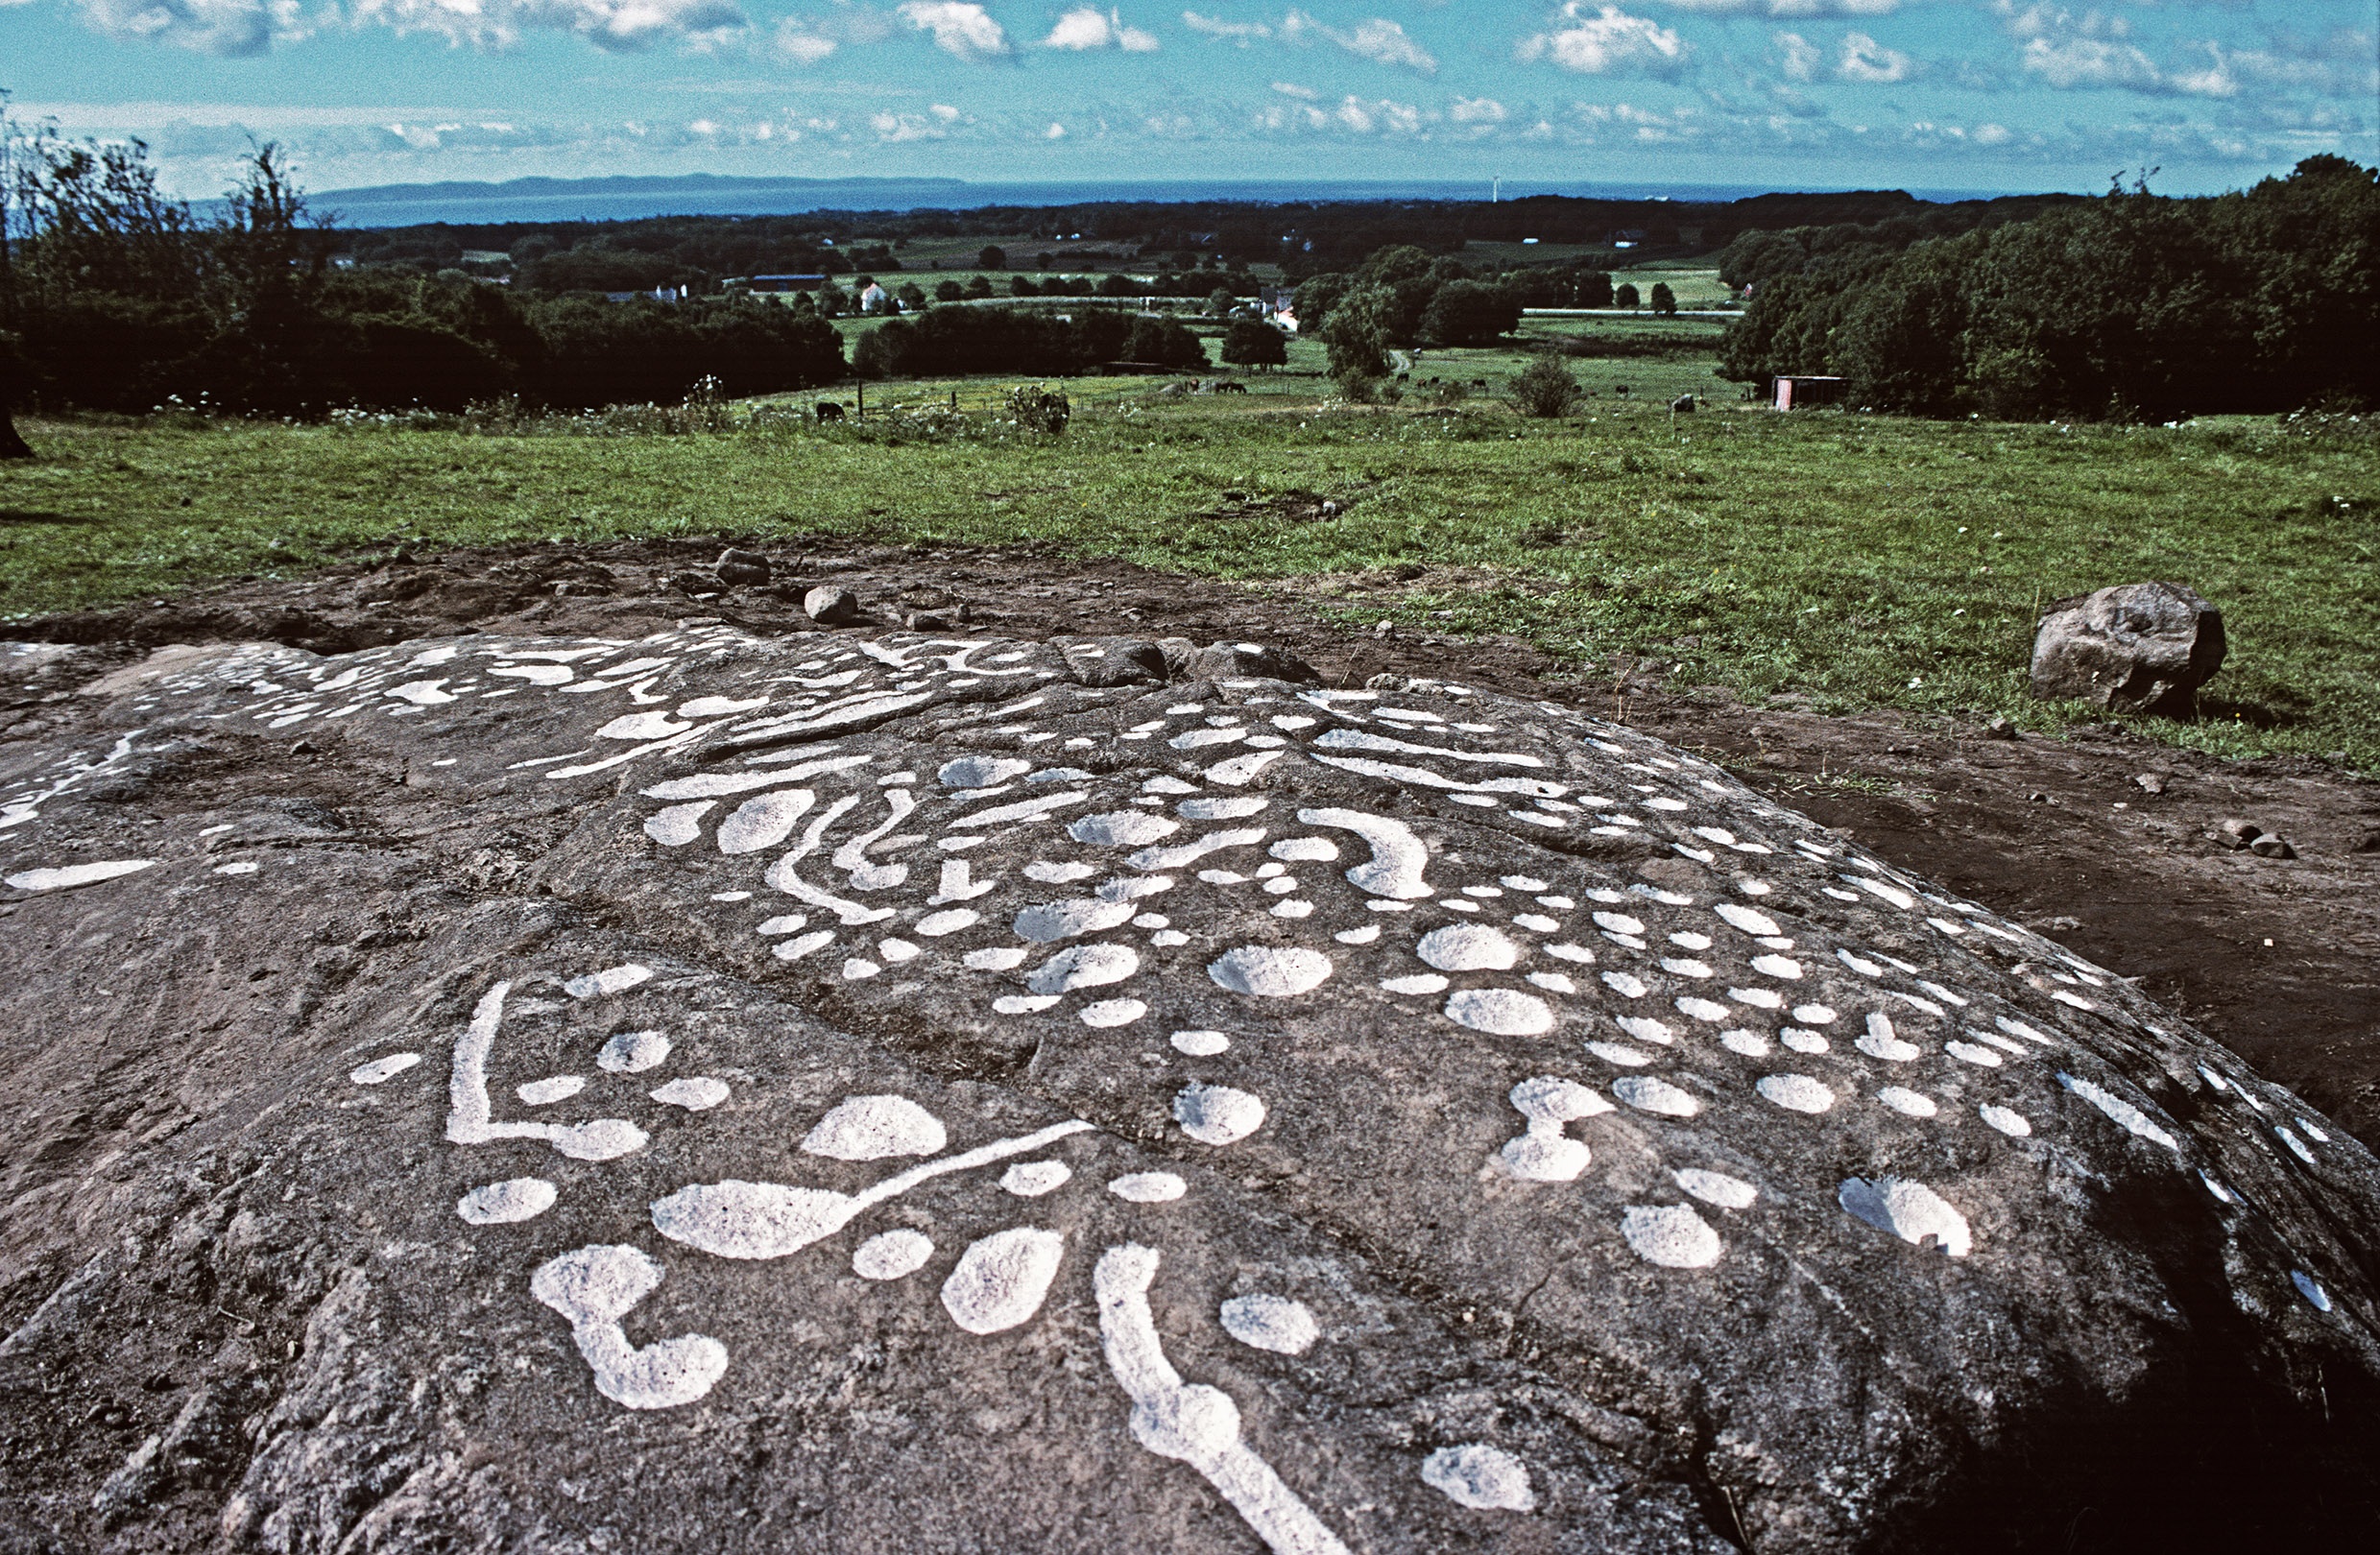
column 921, row 1092
column 2137, row 648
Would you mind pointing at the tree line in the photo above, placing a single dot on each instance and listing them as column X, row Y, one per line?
column 2131, row 306
column 948, row 342
column 1305, row 238
column 114, row 296
column 1401, row 296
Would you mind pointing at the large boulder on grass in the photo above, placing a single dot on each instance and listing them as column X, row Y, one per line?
column 2137, row 648
column 925, row 1092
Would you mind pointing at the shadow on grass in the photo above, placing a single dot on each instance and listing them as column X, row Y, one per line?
column 31, row 516
column 2254, row 715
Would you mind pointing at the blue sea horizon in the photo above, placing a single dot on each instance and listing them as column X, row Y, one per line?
column 630, row 199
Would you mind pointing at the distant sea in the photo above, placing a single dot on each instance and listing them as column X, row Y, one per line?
column 629, row 198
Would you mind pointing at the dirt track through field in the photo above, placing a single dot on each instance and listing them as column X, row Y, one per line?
column 2281, row 958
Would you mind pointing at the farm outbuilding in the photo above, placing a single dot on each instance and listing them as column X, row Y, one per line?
column 1801, row 393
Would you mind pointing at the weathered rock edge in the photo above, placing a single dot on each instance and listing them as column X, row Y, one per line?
column 1610, row 1232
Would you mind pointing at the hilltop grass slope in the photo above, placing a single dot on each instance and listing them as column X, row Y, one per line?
column 1863, row 561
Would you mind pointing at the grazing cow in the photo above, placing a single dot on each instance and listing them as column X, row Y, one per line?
column 830, row 410
column 1229, row 387
column 1683, row 403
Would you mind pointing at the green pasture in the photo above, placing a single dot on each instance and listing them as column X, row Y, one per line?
column 1639, row 357
column 1859, row 561
column 1695, row 281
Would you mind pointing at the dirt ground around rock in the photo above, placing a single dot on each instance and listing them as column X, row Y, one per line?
column 2102, row 840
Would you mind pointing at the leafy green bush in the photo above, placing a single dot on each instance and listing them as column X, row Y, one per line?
column 1039, row 410
column 1544, row 389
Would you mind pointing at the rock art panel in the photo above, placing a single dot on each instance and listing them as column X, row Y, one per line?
column 931, row 1071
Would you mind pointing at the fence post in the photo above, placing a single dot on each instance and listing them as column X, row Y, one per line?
column 863, row 404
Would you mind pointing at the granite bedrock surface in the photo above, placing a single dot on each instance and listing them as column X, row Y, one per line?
column 912, row 1092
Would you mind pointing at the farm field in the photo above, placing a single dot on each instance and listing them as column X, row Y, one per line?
column 1641, row 357
column 1848, row 561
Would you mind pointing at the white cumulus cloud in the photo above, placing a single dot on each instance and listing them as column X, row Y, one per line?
column 1604, row 40
column 226, row 27
column 1865, row 60
column 1797, row 57
column 1787, row 8
column 960, row 27
column 1231, row 32
column 621, row 26
column 1085, row 28
column 1376, row 39
column 799, row 46
column 895, row 128
column 2068, row 62
column 1476, row 110
column 1291, row 88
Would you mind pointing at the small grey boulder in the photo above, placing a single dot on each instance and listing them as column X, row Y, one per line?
column 1251, row 661
column 741, row 567
column 2143, row 647
column 1101, row 662
column 831, row 605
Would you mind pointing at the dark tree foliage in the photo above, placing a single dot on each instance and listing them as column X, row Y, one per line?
column 597, row 268
column 1253, row 343
column 1560, row 286
column 1469, row 313
column 2129, row 306
column 1624, row 295
column 992, row 257
column 125, row 298
column 14, row 371
column 1165, row 342
column 602, row 353
column 1356, row 347
column 1663, row 302
column 1401, row 296
column 960, row 341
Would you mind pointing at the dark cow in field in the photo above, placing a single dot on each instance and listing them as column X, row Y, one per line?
column 830, row 410
column 1683, row 403
column 1229, row 387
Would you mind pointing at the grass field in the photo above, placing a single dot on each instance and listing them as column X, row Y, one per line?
column 1648, row 358
column 1862, row 560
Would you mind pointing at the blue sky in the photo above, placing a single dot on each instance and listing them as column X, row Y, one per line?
column 1968, row 94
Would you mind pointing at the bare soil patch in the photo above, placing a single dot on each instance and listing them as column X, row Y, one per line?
column 2278, row 957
